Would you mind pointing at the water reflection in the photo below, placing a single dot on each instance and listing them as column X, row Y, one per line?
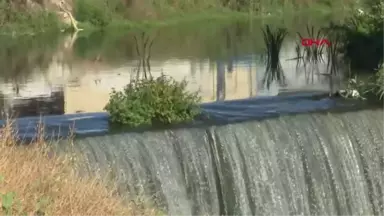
column 143, row 49
column 20, row 61
column 77, row 73
column 273, row 41
column 320, row 61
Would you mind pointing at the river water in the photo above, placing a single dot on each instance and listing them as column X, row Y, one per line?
column 306, row 164
column 278, row 162
column 223, row 60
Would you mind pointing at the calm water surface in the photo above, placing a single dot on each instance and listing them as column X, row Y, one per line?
column 76, row 73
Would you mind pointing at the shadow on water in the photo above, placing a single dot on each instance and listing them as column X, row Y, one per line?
column 19, row 59
column 225, row 65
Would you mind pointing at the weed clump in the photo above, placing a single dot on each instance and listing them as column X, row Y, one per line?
column 151, row 101
column 373, row 88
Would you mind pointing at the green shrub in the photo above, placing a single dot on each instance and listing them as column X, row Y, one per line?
column 24, row 21
column 99, row 13
column 93, row 12
column 371, row 89
column 153, row 101
column 375, row 85
column 363, row 38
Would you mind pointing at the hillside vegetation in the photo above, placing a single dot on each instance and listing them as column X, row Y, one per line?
column 43, row 15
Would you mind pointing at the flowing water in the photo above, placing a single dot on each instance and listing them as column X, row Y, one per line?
column 307, row 164
column 223, row 60
column 303, row 164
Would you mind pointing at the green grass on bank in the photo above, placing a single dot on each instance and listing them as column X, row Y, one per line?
column 189, row 19
column 93, row 15
column 101, row 14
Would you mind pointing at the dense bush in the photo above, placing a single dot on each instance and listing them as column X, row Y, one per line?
column 99, row 13
column 363, row 47
column 94, row 13
column 363, row 38
column 153, row 101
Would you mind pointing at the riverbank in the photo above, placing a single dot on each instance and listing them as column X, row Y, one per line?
column 94, row 15
column 34, row 181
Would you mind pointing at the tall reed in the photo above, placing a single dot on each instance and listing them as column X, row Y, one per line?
column 273, row 41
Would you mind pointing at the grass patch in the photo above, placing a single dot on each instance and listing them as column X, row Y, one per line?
column 199, row 17
column 174, row 20
column 34, row 181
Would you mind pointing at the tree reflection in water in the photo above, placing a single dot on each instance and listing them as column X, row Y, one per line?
column 20, row 57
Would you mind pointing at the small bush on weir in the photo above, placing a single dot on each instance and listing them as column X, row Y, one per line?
column 373, row 88
column 152, row 101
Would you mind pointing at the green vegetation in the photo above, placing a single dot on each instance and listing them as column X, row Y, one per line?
column 133, row 13
column 32, row 17
column 363, row 37
column 370, row 89
column 197, row 39
column 16, row 19
column 379, row 83
column 362, row 46
column 374, row 88
column 10, row 204
column 152, row 102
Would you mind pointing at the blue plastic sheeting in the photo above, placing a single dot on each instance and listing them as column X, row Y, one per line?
column 227, row 111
